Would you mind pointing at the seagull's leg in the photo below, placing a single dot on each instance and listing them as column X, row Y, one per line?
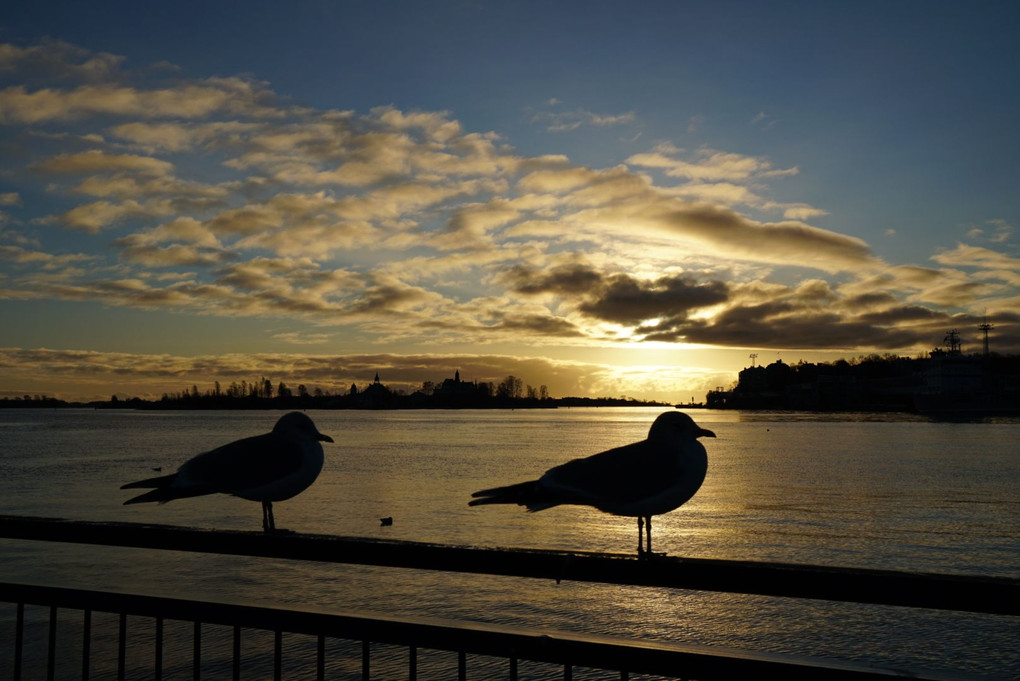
column 648, row 529
column 640, row 535
column 267, row 516
column 272, row 520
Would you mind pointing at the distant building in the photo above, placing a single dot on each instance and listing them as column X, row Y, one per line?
column 454, row 388
column 375, row 396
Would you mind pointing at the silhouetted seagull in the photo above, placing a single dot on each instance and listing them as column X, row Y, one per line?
column 267, row 468
column 642, row 479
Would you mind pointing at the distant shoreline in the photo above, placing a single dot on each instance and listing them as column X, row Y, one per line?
column 331, row 403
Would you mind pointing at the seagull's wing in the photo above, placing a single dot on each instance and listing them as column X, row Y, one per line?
column 241, row 465
column 621, row 475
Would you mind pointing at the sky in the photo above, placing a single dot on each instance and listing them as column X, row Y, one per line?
column 609, row 199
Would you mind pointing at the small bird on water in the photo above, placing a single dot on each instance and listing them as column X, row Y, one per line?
column 267, row 468
column 641, row 479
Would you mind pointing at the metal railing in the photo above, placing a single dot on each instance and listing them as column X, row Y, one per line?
column 994, row 595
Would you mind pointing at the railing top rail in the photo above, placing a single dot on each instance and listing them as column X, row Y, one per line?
column 993, row 595
column 605, row 652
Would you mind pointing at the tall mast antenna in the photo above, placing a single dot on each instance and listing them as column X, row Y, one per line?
column 986, row 327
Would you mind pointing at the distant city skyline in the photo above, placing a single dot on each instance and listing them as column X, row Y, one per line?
column 625, row 200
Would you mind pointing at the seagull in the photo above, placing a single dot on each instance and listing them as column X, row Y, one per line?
column 267, row 468
column 641, row 479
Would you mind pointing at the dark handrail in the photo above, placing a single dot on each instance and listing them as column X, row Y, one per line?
column 992, row 595
column 601, row 652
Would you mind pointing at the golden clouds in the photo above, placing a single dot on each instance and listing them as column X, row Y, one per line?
column 213, row 197
column 97, row 160
column 711, row 165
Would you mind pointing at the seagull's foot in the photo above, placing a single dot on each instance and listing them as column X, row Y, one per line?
column 651, row 555
column 279, row 530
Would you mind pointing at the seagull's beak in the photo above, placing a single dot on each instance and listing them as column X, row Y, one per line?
column 327, row 438
column 704, row 432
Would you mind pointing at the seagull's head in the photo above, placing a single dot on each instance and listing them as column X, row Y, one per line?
column 297, row 424
column 673, row 424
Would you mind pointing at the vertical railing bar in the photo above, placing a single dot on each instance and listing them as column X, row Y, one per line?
column 412, row 662
column 86, row 644
column 461, row 665
column 624, row 675
column 366, row 650
column 320, row 659
column 196, row 655
column 158, row 671
column 121, row 646
column 568, row 672
column 278, row 655
column 19, row 639
column 513, row 666
column 236, row 653
column 51, row 655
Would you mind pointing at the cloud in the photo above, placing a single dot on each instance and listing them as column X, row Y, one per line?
column 763, row 121
column 186, row 136
column 619, row 297
column 295, row 338
column 58, row 60
column 708, row 165
column 49, row 261
column 183, row 241
column 800, row 211
column 976, row 256
column 18, row 105
column 470, row 226
column 93, row 217
column 567, row 121
column 99, row 161
column 208, row 196
column 1002, row 231
column 727, row 233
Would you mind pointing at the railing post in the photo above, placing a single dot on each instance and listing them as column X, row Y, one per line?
column 366, row 651
column 86, row 644
column 236, row 653
column 277, row 655
column 158, row 664
column 121, row 646
column 196, row 656
column 412, row 663
column 51, row 655
column 320, row 658
column 19, row 640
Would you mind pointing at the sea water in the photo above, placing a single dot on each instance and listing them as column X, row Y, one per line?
column 876, row 491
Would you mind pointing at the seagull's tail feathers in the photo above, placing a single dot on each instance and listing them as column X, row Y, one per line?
column 160, row 495
column 523, row 494
column 159, row 481
column 162, row 490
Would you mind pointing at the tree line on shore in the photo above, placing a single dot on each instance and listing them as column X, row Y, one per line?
column 263, row 393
